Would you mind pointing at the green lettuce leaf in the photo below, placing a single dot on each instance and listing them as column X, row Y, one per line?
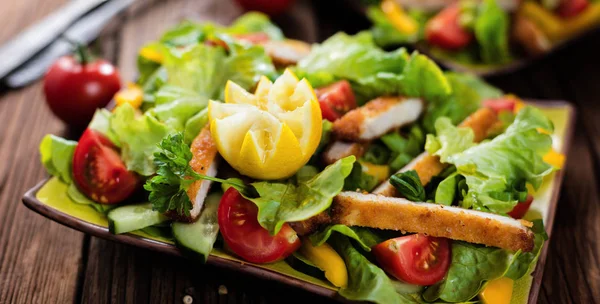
column 194, row 125
column 183, row 34
column 57, row 156
column 449, row 140
column 384, row 32
column 524, row 262
column 200, row 69
column 138, row 137
column 492, row 31
column 496, row 171
column 359, row 180
column 423, row 78
column 279, row 203
column 80, row 198
column 366, row 281
column 245, row 65
column 467, row 93
column 254, row 22
column 174, row 106
column 472, row 266
column 361, row 235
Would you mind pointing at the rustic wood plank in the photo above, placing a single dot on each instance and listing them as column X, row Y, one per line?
column 31, row 247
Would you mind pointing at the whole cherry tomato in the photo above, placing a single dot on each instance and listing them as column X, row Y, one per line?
column 241, row 231
column 76, row 87
column 269, row 7
column 98, row 170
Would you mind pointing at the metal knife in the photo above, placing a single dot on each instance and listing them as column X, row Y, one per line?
column 36, row 37
column 83, row 31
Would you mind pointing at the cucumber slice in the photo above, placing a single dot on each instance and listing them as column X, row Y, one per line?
column 197, row 239
column 133, row 217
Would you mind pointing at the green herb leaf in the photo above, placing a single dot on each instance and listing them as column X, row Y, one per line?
column 365, row 238
column 358, row 179
column 409, row 185
column 174, row 176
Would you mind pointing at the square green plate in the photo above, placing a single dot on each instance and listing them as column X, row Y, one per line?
column 49, row 198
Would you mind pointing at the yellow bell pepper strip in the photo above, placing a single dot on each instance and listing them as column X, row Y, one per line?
column 498, row 291
column 380, row 172
column 132, row 94
column 555, row 159
column 398, row 18
column 328, row 260
column 556, row 28
column 151, row 54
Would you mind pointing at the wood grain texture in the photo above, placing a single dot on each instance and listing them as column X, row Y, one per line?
column 39, row 260
column 43, row 262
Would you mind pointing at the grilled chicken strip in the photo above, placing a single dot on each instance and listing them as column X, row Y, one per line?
column 286, row 52
column 376, row 211
column 377, row 117
column 340, row 149
column 204, row 161
column 428, row 166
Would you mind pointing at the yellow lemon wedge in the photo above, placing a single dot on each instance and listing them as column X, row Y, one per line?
column 269, row 134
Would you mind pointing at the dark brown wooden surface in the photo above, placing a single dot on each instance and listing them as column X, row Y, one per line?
column 43, row 262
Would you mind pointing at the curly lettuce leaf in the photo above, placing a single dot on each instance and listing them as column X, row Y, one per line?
column 57, row 156
column 350, row 57
column 254, row 22
column 449, row 140
column 384, row 32
column 279, row 203
column 175, row 106
column 139, row 137
column 467, row 93
column 496, row 171
column 492, row 31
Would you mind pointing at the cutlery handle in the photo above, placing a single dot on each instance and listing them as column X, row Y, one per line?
column 41, row 34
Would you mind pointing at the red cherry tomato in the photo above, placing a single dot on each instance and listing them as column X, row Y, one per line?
column 500, row 104
column 246, row 237
column 572, row 8
column 445, row 31
column 416, row 259
column 521, row 208
column 98, row 170
column 336, row 99
column 74, row 90
column 269, row 7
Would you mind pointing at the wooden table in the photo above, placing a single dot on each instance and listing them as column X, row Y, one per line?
column 44, row 262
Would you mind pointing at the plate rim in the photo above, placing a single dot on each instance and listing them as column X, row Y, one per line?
column 30, row 201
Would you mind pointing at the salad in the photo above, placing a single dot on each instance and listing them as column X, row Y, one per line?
column 375, row 170
column 482, row 33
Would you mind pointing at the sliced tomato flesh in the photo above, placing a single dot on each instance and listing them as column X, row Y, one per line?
column 243, row 234
column 99, row 172
column 521, row 208
column 500, row 104
column 336, row 99
column 415, row 259
column 444, row 30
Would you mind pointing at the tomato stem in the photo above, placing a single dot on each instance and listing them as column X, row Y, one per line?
column 82, row 54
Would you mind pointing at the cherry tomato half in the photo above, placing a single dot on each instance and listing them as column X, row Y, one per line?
column 74, row 90
column 500, row 104
column 336, row 99
column 415, row 259
column 572, row 8
column 246, row 237
column 521, row 208
column 99, row 172
column 445, row 31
